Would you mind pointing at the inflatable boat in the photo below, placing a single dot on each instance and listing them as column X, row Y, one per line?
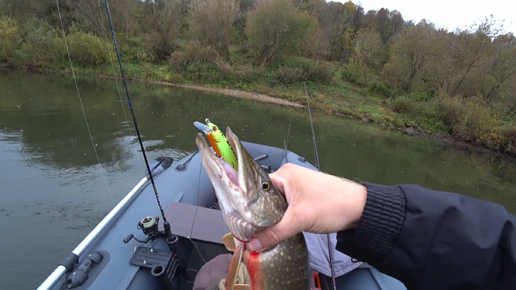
column 128, row 250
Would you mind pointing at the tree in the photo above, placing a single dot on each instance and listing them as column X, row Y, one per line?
column 123, row 15
column 411, row 52
column 276, row 28
column 337, row 22
column 471, row 49
column 500, row 67
column 160, row 23
column 368, row 45
column 211, row 23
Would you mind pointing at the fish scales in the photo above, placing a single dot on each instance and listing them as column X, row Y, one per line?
column 284, row 267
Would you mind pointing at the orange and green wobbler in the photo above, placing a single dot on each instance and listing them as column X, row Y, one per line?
column 219, row 142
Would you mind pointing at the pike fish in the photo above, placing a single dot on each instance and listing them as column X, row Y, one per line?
column 249, row 202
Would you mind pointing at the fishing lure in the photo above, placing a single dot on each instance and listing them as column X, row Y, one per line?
column 218, row 141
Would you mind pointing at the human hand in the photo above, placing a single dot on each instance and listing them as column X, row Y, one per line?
column 318, row 203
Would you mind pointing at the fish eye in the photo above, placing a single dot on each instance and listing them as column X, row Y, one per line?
column 214, row 128
column 265, row 185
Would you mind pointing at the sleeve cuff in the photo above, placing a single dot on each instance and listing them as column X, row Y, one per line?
column 379, row 226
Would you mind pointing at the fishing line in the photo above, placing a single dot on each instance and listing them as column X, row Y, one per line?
column 166, row 224
column 198, row 194
column 313, row 132
column 116, row 81
column 285, row 143
column 330, row 251
column 82, row 106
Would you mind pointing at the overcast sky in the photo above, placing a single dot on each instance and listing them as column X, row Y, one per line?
column 448, row 14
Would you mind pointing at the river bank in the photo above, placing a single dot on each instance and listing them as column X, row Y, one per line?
column 375, row 111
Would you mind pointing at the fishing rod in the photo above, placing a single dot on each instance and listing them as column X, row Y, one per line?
column 330, row 251
column 166, row 224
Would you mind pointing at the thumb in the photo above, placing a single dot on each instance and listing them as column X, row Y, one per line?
column 272, row 236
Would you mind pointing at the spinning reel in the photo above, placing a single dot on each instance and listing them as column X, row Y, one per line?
column 149, row 227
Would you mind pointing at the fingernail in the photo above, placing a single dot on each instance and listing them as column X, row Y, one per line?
column 254, row 245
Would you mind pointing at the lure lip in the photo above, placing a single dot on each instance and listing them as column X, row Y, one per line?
column 203, row 127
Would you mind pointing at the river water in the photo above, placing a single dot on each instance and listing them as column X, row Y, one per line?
column 53, row 190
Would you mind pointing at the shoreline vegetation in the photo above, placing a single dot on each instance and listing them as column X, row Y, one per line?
column 458, row 87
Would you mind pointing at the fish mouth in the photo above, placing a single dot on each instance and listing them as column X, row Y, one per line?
column 235, row 190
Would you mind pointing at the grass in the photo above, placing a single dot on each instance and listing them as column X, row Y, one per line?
column 444, row 117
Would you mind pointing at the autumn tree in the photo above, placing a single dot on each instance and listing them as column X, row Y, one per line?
column 338, row 23
column 439, row 72
column 368, row 45
column 470, row 50
column 498, row 73
column 315, row 46
column 211, row 23
column 276, row 28
column 244, row 7
column 411, row 52
column 160, row 23
column 123, row 15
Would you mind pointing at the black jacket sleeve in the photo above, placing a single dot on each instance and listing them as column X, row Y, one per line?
column 434, row 240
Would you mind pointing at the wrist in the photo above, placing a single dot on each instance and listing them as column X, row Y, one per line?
column 360, row 197
column 353, row 203
column 381, row 220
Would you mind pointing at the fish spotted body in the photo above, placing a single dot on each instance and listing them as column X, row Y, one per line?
column 280, row 268
column 249, row 201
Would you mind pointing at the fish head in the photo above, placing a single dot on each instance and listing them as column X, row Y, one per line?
column 248, row 199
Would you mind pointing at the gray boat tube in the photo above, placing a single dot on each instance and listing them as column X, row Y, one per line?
column 159, row 165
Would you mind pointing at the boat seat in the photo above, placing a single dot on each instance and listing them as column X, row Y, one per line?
column 197, row 223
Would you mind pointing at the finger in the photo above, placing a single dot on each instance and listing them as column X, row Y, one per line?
column 278, row 180
column 272, row 236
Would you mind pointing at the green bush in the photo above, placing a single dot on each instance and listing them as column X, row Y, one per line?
column 321, row 72
column 379, row 88
column 288, row 75
column 203, row 72
column 42, row 45
column 10, row 38
column 350, row 74
column 133, row 50
column 194, row 52
column 404, row 105
column 247, row 73
column 467, row 120
column 87, row 49
column 508, row 139
column 303, row 70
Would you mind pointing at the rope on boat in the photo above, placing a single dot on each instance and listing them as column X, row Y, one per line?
column 330, row 251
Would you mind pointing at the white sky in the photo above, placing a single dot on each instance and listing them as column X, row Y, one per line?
column 448, row 14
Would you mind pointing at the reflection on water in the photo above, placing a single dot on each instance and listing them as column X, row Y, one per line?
column 54, row 190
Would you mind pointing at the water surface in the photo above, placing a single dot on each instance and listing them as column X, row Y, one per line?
column 54, row 191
